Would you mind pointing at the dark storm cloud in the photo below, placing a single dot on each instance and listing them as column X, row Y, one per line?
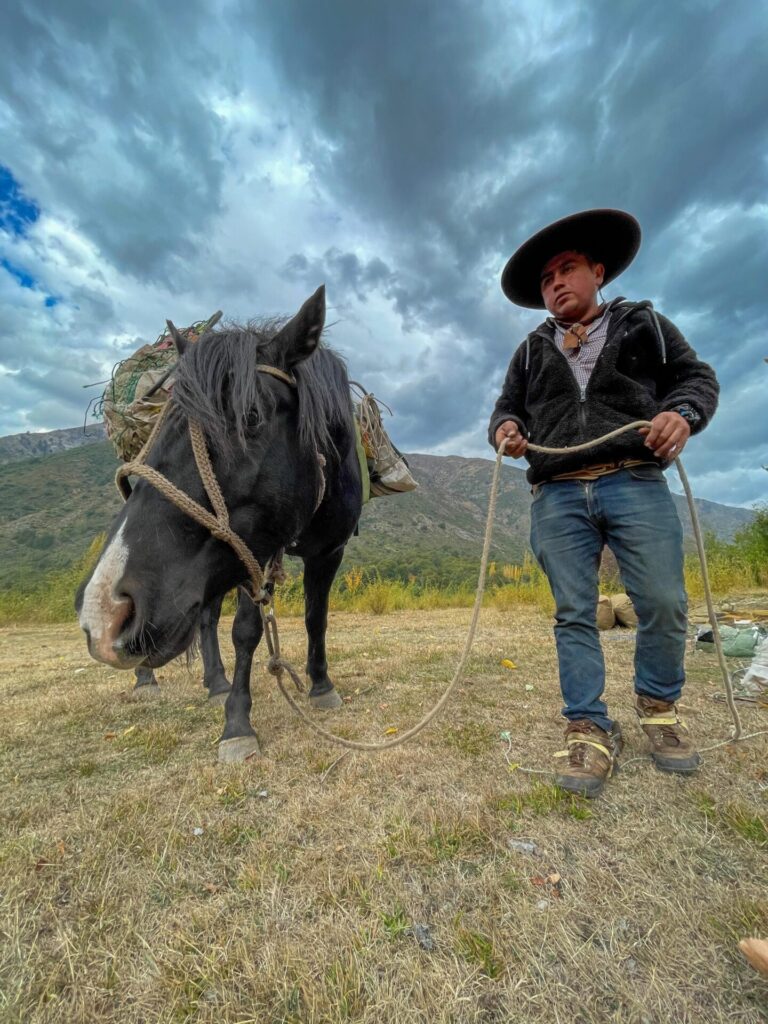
column 652, row 106
column 104, row 103
column 343, row 273
column 466, row 129
column 239, row 153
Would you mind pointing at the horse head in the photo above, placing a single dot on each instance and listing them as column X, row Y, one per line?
column 263, row 431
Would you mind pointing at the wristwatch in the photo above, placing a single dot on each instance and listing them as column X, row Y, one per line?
column 688, row 413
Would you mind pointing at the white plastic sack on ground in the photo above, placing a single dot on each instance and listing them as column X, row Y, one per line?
column 737, row 641
column 756, row 677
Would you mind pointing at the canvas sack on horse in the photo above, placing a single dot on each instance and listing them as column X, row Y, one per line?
column 140, row 387
column 387, row 466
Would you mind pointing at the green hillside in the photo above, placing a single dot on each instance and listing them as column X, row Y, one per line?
column 52, row 505
column 50, row 509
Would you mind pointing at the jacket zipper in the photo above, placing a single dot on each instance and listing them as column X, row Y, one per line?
column 581, row 408
column 576, row 388
column 611, row 337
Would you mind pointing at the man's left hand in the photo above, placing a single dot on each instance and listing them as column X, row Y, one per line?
column 667, row 435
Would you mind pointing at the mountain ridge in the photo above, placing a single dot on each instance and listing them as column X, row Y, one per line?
column 58, row 493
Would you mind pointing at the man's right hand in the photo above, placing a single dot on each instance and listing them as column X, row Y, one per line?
column 516, row 443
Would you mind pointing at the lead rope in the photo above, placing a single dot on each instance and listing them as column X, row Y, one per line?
column 277, row 664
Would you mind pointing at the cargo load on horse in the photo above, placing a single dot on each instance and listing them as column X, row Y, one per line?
column 139, row 388
column 141, row 385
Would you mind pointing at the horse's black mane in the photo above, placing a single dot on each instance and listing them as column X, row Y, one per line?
column 218, row 385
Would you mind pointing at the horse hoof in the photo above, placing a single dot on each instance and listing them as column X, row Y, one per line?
column 218, row 699
column 326, row 701
column 239, row 748
column 149, row 691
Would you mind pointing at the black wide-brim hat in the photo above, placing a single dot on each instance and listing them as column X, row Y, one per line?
column 610, row 237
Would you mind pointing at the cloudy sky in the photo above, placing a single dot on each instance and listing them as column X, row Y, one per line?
column 169, row 159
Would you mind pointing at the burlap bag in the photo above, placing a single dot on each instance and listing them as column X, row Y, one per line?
column 606, row 618
column 389, row 472
column 623, row 610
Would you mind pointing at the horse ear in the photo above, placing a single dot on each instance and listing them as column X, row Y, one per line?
column 301, row 335
column 178, row 339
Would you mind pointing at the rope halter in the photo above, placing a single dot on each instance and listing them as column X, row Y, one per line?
column 217, row 523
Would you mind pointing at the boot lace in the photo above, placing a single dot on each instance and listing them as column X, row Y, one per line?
column 671, row 733
column 577, row 752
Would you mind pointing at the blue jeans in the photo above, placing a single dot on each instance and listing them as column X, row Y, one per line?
column 632, row 512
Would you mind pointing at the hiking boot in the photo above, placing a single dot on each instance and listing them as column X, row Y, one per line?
column 671, row 747
column 591, row 754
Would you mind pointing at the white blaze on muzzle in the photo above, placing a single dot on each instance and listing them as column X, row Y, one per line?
column 103, row 613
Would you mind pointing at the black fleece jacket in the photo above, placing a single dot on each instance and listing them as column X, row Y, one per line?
column 645, row 367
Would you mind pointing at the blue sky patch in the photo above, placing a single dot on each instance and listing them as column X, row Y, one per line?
column 26, row 280
column 17, row 212
column 23, row 277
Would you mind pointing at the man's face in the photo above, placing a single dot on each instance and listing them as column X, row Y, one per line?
column 569, row 284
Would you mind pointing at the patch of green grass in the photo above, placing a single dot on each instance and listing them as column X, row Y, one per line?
column 472, row 739
column 282, row 872
column 395, row 923
column 443, row 841
column 192, row 993
column 156, row 742
column 704, row 803
column 361, row 893
column 744, row 822
column 510, row 881
column 345, row 990
column 402, row 839
column 477, row 948
column 578, row 809
column 237, row 834
column 743, row 917
column 318, row 764
column 737, row 817
column 232, row 793
column 292, row 1005
column 449, row 839
column 543, row 799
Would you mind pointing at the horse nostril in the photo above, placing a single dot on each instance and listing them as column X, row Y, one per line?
column 124, row 615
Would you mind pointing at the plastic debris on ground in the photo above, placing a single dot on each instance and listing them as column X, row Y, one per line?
column 738, row 641
column 526, row 846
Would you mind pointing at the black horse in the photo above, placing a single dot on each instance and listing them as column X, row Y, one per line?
column 214, row 674
column 268, row 441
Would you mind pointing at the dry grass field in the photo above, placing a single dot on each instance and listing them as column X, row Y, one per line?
column 142, row 882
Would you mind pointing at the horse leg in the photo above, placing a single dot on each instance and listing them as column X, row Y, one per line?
column 238, row 741
column 146, row 685
column 214, row 676
column 319, row 574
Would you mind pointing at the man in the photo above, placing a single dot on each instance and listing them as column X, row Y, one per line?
column 588, row 369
